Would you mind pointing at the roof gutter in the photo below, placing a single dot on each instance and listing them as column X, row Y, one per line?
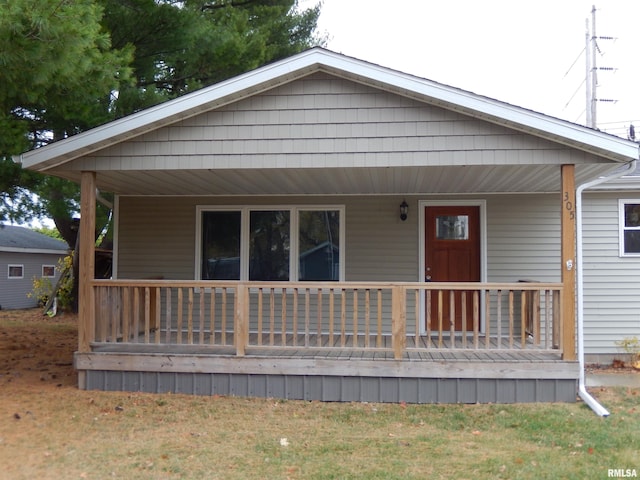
column 582, row 391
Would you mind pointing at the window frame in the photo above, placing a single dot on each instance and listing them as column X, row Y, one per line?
column 53, row 275
column 15, row 277
column 622, row 228
column 294, row 225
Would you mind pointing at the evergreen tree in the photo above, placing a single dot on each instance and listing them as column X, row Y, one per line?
column 70, row 65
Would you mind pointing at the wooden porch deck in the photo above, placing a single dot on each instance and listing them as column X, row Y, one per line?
column 422, row 348
column 352, row 342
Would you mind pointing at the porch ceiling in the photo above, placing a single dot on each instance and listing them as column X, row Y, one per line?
column 343, row 181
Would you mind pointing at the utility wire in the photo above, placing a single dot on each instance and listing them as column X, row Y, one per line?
column 574, row 62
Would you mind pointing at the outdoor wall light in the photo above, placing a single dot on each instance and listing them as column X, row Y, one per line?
column 404, row 209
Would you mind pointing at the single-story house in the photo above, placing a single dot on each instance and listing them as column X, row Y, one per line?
column 26, row 255
column 448, row 221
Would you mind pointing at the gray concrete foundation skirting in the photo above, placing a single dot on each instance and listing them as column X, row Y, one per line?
column 338, row 388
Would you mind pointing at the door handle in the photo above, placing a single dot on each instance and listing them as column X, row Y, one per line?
column 427, row 278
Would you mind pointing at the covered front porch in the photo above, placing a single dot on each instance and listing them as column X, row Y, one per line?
column 317, row 152
column 341, row 341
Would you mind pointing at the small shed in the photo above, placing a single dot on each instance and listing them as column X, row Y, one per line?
column 25, row 255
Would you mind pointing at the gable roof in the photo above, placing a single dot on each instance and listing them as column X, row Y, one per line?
column 596, row 152
column 24, row 240
column 318, row 59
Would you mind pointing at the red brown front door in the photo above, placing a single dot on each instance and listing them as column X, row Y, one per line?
column 452, row 254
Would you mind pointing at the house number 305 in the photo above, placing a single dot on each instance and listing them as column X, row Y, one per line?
column 568, row 204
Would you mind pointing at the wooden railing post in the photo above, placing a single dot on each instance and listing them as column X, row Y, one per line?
column 241, row 320
column 398, row 320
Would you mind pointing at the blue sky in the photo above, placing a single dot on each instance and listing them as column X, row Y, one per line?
column 528, row 53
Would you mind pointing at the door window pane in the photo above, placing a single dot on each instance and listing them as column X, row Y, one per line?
column 220, row 246
column 269, row 245
column 319, row 245
column 452, row 227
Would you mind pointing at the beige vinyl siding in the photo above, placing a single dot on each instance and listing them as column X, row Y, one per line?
column 156, row 235
column 523, row 243
column 156, row 238
column 523, row 238
column 381, row 247
column 611, row 283
column 322, row 122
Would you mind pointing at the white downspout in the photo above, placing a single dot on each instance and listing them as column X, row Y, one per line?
column 582, row 391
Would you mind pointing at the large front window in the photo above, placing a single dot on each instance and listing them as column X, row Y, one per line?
column 220, row 245
column 271, row 244
column 319, row 245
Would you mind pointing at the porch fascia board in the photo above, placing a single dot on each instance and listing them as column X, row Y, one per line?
column 348, row 367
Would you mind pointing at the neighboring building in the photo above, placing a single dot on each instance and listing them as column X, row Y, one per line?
column 24, row 256
column 326, row 228
column 611, row 240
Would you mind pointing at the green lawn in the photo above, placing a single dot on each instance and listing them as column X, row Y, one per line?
column 66, row 433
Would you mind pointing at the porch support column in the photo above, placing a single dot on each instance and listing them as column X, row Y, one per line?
column 568, row 267
column 86, row 308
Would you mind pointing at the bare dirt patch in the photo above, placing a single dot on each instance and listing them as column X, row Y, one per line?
column 36, row 351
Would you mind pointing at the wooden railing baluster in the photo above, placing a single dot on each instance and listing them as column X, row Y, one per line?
column 463, row 315
column 319, row 318
column 381, row 315
column 272, row 316
column 180, row 313
column 295, row 318
column 283, row 338
column 168, row 314
column 499, row 320
column 367, row 317
column 223, row 316
column 511, row 319
column 487, row 319
column 202, row 312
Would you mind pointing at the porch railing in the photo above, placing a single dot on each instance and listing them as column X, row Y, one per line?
column 339, row 316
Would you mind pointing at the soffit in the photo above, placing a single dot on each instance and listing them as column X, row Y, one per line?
column 343, row 181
